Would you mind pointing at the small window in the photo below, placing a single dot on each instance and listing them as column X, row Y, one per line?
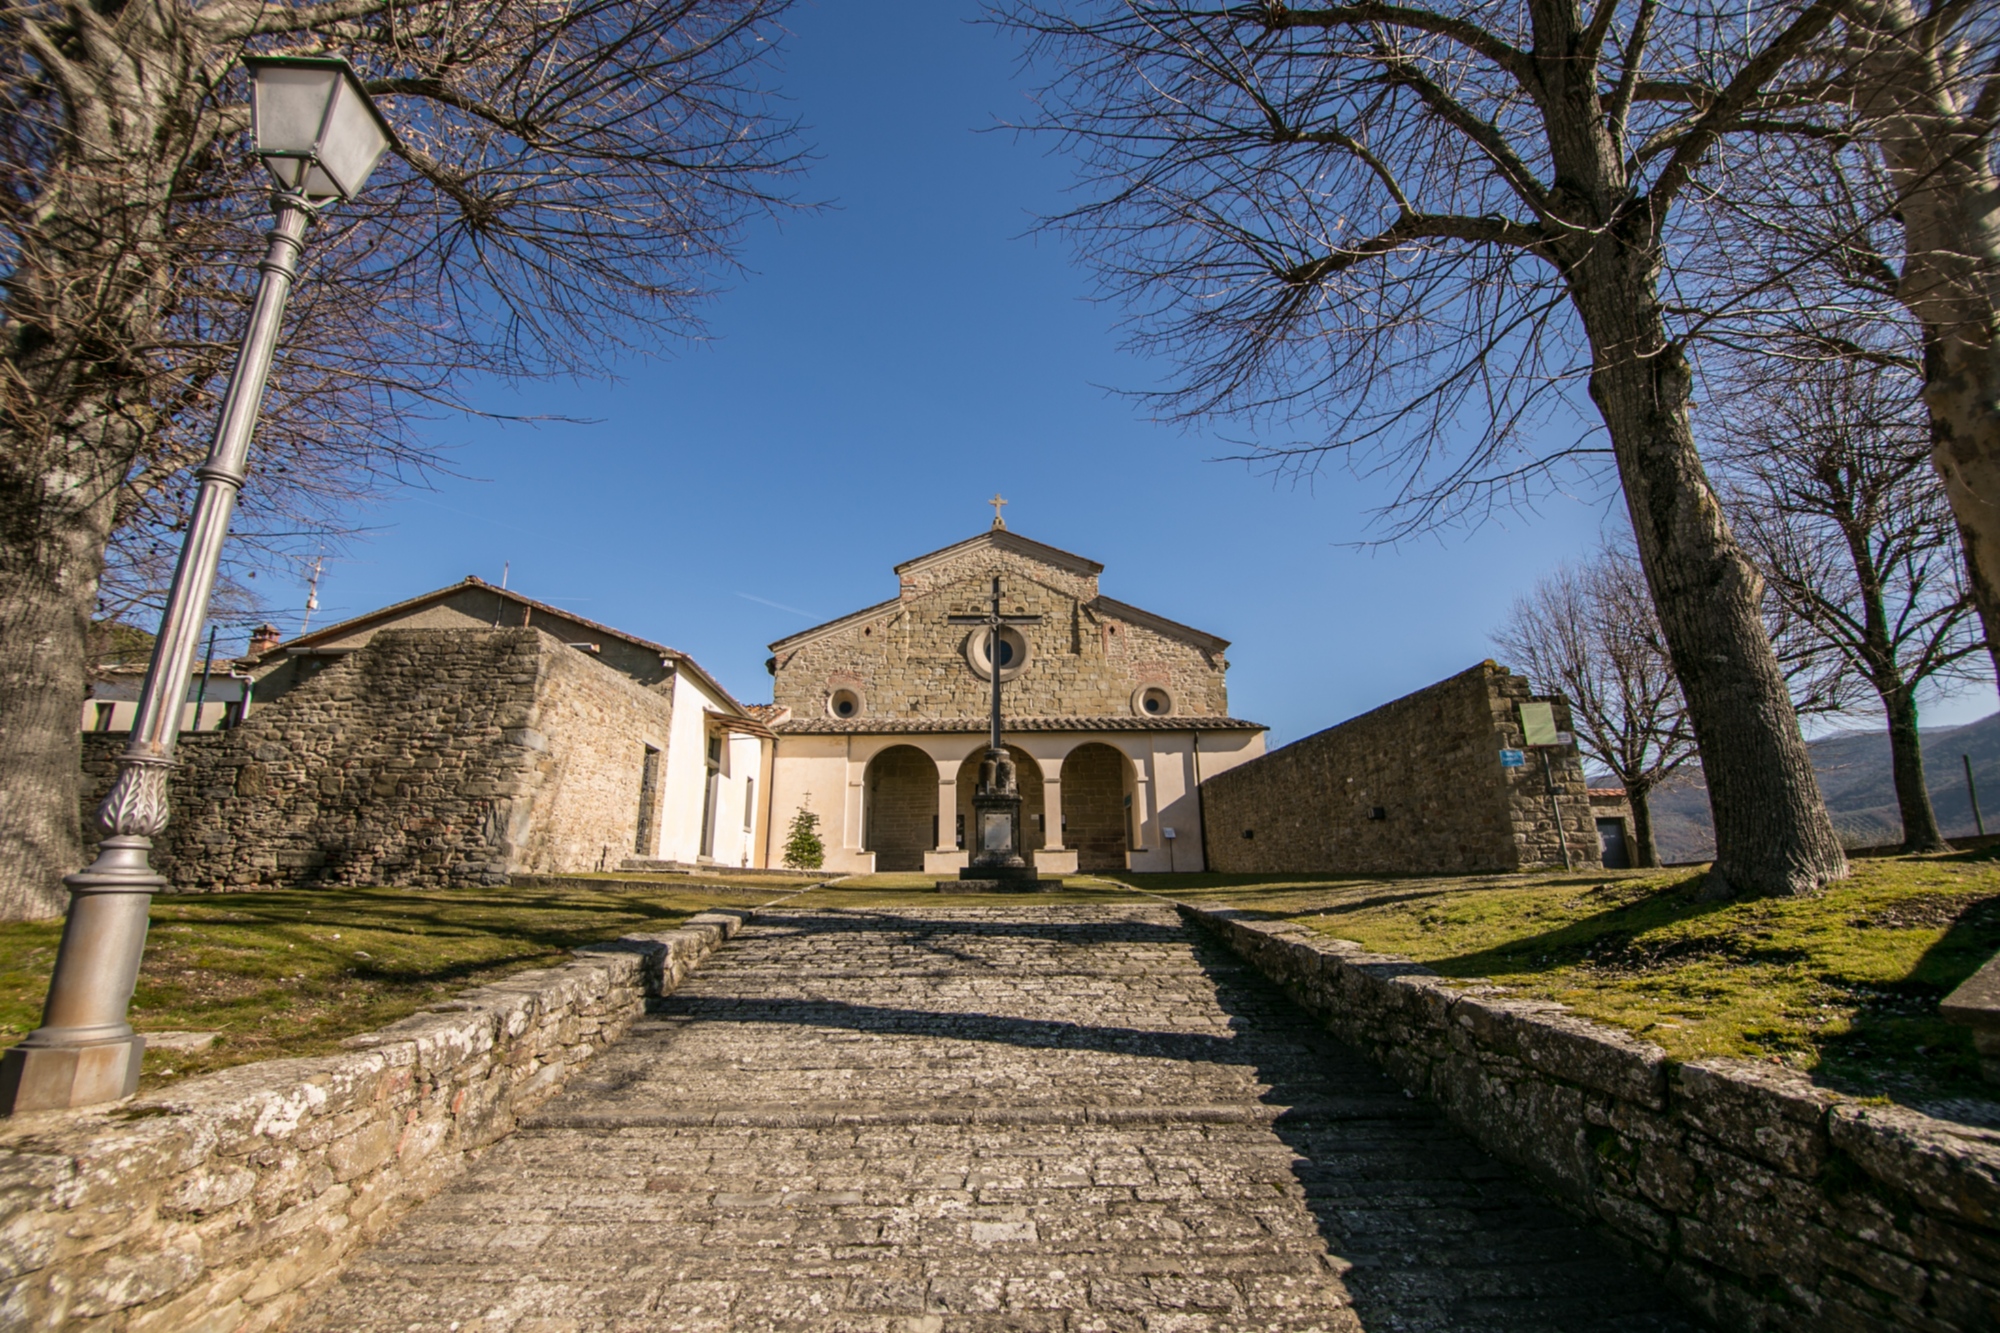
column 1152, row 701
column 844, row 703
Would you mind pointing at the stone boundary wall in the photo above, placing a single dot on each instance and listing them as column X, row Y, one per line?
column 219, row 1204
column 1429, row 763
column 1763, row 1201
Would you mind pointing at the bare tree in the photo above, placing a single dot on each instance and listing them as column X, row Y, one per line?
column 1419, row 223
column 570, row 180
column 1924, row 83
column 1589, row 632
column 1825, row 462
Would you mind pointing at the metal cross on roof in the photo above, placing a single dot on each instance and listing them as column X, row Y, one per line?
column 993, row 620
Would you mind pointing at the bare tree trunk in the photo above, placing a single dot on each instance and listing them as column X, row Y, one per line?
column 1772, row 833
column 1645, row 852
column 1906, row 760
column 1949, row 205
column 49, row 566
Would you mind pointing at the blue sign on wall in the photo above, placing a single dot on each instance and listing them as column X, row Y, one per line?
column 1513, row 758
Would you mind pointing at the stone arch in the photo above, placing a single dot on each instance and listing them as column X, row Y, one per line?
column 1096, row 784
column 902, row 807
column 1027, row 776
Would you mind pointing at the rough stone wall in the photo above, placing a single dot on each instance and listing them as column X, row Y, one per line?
column 1765, row 1202
column 1430, row 763
column 428, row 757
column 223, row 1203
column 1093, row 801
column 596, row 724
column 1084, row 659
column 902, row 803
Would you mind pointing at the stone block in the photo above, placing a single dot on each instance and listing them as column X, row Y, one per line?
column 1549, row 1039
column 1953, row 1169
column 1774, row 1115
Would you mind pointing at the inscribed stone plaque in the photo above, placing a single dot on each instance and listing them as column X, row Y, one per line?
column 996, row 831
column 1538, row 724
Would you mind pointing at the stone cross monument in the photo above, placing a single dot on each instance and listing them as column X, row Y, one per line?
column 996, row 803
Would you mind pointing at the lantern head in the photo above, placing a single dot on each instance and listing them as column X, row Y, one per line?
column 316, row 129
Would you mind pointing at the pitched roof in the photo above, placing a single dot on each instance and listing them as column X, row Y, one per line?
column 1006, row 541
column 1034, row 550
column 890, row 726
column 355, row 624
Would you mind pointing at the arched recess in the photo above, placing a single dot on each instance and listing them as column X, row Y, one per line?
column 902, row 807
column 1027, row 777
column 1096, row 788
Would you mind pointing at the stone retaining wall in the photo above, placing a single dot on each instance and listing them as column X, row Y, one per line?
column 218, row 1204
column 1765, row 1202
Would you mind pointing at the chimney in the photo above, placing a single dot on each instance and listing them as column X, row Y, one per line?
column 263, row 639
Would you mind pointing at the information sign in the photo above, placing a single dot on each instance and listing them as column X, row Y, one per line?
column 1513, row 758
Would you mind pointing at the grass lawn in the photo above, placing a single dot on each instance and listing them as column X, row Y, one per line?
column 293, row 972
column 1844, row 984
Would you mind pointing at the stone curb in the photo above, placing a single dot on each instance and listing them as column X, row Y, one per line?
column 222, row 1202
column 1762, row 1200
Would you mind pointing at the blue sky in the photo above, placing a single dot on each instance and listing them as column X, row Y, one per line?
column 890, row 363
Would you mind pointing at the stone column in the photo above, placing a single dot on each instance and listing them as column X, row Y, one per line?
column 1053, row 857
column 946, row 859
column 1052, row 840
column 947, row 836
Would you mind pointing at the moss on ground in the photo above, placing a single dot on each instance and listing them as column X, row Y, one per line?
column 1844, row 984
column 293, row 972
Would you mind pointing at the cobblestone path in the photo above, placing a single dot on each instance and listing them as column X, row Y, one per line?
column 942, row 1119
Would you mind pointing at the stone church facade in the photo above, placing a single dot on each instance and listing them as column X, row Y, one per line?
column 1114, row 714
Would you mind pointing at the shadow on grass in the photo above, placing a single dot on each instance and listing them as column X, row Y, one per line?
column 1898, row 1044
column 1612, row 937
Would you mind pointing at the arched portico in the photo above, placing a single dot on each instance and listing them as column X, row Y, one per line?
column 900, row 808
column 1098, row 812
column 1027, row 776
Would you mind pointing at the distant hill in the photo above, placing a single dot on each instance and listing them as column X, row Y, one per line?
column 1853, row 772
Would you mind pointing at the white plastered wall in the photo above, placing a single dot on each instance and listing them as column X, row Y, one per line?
column 812, row 772
column 686, row 780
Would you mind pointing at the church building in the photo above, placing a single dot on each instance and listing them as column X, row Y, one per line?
column 1114, row 716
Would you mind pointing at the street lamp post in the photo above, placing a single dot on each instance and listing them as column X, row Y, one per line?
column 320, row 137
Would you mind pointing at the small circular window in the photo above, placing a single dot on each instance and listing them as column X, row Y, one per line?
column 1014, row 652
column 844, row 703
column 1152, row 701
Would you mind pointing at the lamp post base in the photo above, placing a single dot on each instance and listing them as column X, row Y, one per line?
column 56, row 1078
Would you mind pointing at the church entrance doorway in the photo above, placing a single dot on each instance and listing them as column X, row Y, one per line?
column 1027, row 776
column 1095, row 805
column 902, row 808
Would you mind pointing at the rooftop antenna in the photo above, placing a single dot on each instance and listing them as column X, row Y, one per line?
column 505, row 566
column 312, row 593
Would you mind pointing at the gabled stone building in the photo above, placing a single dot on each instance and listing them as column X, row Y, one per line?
column 1115, row 715
column 462, row 737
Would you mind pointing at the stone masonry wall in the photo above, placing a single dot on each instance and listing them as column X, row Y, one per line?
column 429, row 757
column 1084, row 660
column 596, row 724
column 1430, row 763
column 1767, row 1203
column 222, row 1203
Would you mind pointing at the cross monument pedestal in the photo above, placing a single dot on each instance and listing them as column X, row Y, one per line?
column 997, row 864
